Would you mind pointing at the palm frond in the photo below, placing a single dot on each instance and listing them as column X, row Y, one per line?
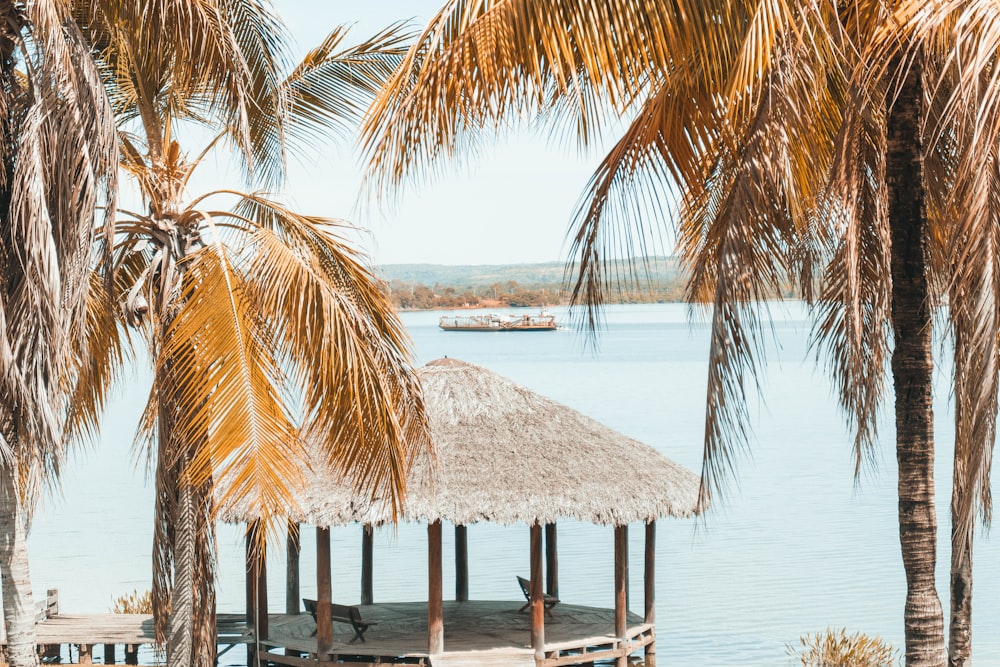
column 329, row 91
column 361, row 400
column 481, row 62
column 853, row 311
column 225, row 390
column 59, row 159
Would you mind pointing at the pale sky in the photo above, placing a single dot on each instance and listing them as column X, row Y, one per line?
column 511, row 203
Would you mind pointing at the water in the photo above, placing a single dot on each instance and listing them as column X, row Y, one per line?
column 795, row 547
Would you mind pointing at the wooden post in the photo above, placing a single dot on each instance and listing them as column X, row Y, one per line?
column 537, row 597
column 367, row 553
column 251, row 599
column 621, row 589
column 109, row 654
column 293, row 548
column 262, row 621
column 435, row 613
column 85, row 657
column 551, row 561
column 324, row 594
column 131, row 654
column 461, row 563
column 649, row 588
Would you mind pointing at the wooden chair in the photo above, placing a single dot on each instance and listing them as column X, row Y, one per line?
column 342, row 613
column 548, row 600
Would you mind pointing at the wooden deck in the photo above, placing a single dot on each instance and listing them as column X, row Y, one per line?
column 88, row 631
column 476, row 634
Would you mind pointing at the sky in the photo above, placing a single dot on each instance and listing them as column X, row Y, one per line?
column 511, row 203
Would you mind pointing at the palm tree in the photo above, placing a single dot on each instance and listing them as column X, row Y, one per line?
column 58, row 157
column 840, row 144
column 266, row 330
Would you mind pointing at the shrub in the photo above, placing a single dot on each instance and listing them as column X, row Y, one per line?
column 835, row 648
column 133, row 603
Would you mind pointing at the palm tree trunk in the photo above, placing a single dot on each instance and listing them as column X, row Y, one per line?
column 18, row 605
column 912, row 368
column 960, row 620
column 180, row 643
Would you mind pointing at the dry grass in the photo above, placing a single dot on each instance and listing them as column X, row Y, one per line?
column 835, row 648
column 133, row 603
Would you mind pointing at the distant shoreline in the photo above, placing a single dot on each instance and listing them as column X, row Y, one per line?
column 417, row 287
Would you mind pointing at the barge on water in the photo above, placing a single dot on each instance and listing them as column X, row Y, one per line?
column 540, row 322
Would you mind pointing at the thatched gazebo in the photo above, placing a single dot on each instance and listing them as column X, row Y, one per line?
column 504, row 454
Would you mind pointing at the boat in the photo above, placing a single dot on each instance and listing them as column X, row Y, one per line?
column 541, row 322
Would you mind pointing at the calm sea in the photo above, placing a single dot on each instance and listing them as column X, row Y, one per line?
column 795, row 547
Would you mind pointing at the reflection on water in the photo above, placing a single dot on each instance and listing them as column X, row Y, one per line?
column 795, row 547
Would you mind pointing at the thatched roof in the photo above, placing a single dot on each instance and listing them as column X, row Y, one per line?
column 508, row 455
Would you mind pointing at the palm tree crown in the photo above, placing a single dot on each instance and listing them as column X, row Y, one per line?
column 784, row 139
column 267, row 331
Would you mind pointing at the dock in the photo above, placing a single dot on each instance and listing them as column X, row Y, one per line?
column 477, row 633
column 105, row 633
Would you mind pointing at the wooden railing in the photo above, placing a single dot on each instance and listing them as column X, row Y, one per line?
column 48, row 607
column 45, row 608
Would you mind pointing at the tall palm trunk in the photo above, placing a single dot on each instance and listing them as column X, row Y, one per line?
column 960, row 619
column 912, row 368
column 18, row 605
column 179, row 646
column 184, row 540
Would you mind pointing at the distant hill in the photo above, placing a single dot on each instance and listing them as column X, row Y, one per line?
column 661, row 270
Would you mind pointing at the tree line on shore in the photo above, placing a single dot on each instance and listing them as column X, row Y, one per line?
column 512, row 294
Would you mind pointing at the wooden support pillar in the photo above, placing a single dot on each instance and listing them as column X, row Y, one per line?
column 551, row 561
column 131, row 654
column 85, row 657
column 461, row 563
column 324, row 594
column 435, row 593
column 263, row 629
column 251, row 598
column 649, row 588
column 293, row 549
column 109, row 654
column 621, row 588
column 537, row 597
column 367, row 557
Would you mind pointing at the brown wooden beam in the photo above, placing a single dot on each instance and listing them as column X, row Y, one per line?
column 649, row 585
column 551, row 561
column 262, row 621
column 621, row 588
column 251, row 597
column 461, row 563
column 367, row 557
column 324, row 594
column 537, row 596
column 293, row 548
column 109, row 654
column 435, row 614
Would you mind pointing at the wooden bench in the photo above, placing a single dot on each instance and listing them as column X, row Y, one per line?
column 342, row 613
column 548, row 600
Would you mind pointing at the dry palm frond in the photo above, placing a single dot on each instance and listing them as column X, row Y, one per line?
column 58, row 150
column 480, row 62
column 330, row 89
